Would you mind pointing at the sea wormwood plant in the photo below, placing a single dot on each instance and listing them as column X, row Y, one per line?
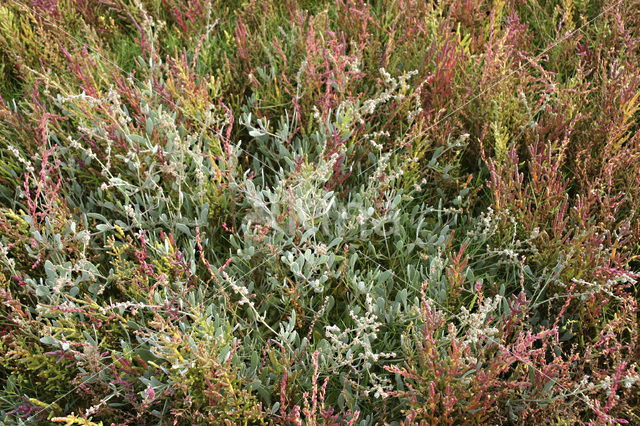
column 319, row 212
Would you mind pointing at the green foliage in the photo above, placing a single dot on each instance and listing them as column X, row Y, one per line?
column 306, row 212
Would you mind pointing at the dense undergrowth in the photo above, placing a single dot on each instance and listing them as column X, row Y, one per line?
column 319, row 212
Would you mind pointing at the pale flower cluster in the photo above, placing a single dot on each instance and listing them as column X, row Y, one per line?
column 239, row 289
column 476, row 324
column 608, row 287
column 352, row 346
column 380, row 387
column 396, row 90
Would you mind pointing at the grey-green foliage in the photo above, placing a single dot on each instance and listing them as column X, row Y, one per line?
column 338, row 273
